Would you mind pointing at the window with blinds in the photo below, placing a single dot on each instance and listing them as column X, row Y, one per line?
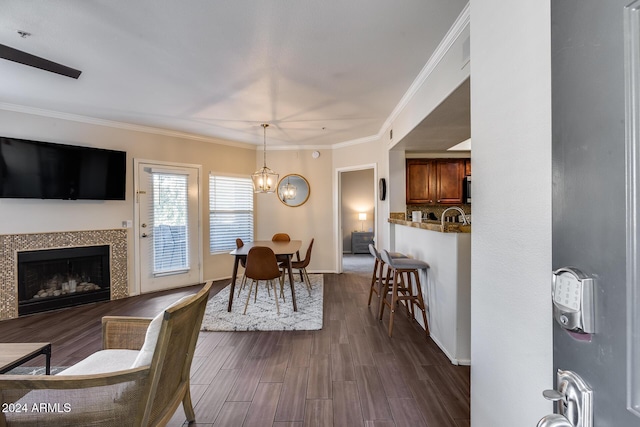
column 169, row 222
column 230, row 212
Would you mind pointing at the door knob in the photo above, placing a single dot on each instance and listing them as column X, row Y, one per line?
column 554, row 420
column 145, row 235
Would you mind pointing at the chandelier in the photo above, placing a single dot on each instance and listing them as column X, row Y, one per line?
column 264, row 180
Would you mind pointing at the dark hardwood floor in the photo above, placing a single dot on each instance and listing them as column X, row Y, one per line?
column 350, row 373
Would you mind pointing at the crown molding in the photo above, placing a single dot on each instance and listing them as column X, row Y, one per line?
column 294, row 147
column 358, row 141
column 460, row 24
column 120, row 125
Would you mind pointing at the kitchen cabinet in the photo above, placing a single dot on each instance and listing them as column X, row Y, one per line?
column 467, row 167
column 435, row 181
column 421, row 178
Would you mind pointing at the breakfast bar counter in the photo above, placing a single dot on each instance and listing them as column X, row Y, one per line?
column 447, row 227
column 447, row 286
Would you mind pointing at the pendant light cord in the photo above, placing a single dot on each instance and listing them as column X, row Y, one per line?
column 264, row 150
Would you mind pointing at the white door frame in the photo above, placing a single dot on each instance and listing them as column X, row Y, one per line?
column 136, row 217
column 337, row 212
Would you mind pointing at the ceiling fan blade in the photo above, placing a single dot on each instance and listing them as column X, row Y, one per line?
column 21, row 57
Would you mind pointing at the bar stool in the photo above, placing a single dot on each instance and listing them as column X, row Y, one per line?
column 378, row 277
column 399, row 272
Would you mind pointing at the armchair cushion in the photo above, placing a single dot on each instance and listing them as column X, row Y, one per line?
column 145, row 355
column 103, row 361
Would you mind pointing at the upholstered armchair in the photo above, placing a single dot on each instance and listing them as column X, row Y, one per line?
column 139, row 378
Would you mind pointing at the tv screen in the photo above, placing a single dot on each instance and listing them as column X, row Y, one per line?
column 43, row 170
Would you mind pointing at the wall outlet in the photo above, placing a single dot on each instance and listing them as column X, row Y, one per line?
column 127, row 224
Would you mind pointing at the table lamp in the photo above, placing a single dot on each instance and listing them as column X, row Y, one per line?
column 362, row 216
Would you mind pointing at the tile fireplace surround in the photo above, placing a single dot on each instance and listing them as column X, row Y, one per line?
column 11, row 244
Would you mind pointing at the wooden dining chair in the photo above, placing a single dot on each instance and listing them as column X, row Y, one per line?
column 262, row 265
column 301, row 266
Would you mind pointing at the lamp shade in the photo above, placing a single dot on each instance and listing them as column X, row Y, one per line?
column 264, row 180
column 362, row 216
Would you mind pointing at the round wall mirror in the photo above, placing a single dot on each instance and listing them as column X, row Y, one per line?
column 293, row 190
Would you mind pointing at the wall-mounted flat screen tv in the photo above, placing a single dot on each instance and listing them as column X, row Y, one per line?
column 43, row 170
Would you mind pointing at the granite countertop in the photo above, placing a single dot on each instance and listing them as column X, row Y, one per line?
column 448, row 227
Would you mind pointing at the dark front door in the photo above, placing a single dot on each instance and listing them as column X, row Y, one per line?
column 589, row 192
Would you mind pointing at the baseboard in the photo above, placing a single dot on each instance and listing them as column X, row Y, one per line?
column 454, row 361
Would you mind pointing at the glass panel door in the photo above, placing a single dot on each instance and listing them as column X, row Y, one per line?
column 168, row 235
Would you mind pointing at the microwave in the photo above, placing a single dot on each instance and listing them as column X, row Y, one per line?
column 467, row 188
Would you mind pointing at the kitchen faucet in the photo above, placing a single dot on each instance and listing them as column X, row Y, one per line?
column 464, row 217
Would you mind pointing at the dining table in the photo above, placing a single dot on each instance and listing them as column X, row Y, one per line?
column 279, row 248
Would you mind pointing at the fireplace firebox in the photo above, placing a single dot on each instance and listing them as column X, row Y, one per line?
column 56, row 278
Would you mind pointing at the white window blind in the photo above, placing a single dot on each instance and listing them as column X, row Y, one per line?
column 169, row 223
column 230, row 212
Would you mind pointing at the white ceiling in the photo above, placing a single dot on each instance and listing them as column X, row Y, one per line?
column 320, row 72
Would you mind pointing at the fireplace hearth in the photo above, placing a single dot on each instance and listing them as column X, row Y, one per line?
column 56, row 278
column 13, row 244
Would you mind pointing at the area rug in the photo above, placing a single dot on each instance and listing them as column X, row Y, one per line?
column 35, row 370
column 261, row 315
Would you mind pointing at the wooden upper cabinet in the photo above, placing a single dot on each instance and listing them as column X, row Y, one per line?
column 420, row 181
column 467, row 167
column 435, row 181
column 449, row 176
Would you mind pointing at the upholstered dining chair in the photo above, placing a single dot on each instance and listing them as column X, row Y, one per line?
column 243, row 263
column 262, row 265
column 283, row 237
column 301, row 266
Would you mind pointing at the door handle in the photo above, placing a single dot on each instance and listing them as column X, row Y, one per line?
column 554, row 395
column 574, row 402
column 144, row 235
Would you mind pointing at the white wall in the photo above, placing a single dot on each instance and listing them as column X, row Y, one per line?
column 511, row 344
column 313, row 219
column 31, row 216
column 446, row 286
column 361, row 156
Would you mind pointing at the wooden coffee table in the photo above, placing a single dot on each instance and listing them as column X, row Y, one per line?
column 15, row 354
